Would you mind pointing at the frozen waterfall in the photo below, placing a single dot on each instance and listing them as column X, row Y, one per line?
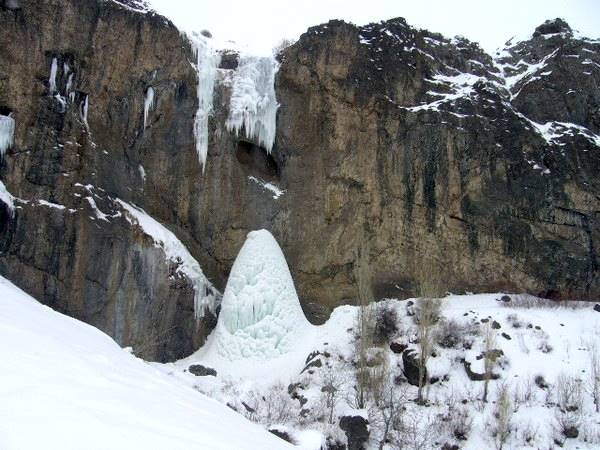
column 207, row 63
column 253, row 104
column 7, row 133
column 261, row 317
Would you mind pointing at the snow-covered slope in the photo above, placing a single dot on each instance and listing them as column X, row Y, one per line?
column 66, row 385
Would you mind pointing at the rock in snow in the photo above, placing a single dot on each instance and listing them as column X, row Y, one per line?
column 261, row 317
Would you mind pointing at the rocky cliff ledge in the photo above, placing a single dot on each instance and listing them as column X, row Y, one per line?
column 439, row 159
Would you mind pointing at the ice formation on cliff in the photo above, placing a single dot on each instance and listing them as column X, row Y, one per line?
column 7, row 133
column 207, row 63
column 148, row 103
column 253, row 104
column 261, row 317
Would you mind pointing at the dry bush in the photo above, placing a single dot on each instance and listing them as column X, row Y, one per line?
column 274, row 407
column 501, row 426
column 427, row 315
column 452, row 333
column 386, row 323
column 569, row 399
column 282, row 45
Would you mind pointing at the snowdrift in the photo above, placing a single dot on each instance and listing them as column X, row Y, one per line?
column 66, row 385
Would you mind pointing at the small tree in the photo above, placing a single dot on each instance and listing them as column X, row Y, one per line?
column 364, row 322
column 595, row 373
column 502, row 417
column 332, row 387
column 426, row 316
column 490, row 356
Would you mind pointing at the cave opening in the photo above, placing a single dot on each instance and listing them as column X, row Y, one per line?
column 257, row 161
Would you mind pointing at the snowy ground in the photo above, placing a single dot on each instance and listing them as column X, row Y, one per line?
column 543, row 339
column 66, row 385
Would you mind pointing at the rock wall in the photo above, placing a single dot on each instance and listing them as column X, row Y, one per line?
column 442, row 162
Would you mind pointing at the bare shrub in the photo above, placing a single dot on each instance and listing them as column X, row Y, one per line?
column 333, row 384
column 413, row 430
column 365, row 319
column 461, row 423
column 388, row 409
column 386, row 323
column 501, row 426
column 490, row 357
column 594, row 381
column 528, row 433
column 569, row 398
column 427, row 315
column 282, row 45
column 544, row 346
column 514, row 321
column 452, row 333
column 273, row 408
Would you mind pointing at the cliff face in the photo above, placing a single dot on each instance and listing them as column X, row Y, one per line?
column 436, row 159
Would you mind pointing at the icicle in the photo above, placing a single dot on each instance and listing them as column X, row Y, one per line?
column 7, row 198
column 52, row 79
column 253, row 104
column 148, row 103
column 7, row 133
column 208, row 60
column 84, row 111
column 70, row 86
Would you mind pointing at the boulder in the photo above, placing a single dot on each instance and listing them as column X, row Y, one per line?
column 357, row 431
column 201, row 371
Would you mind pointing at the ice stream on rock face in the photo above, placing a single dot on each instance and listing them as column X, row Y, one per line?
column 207, row 63
column 148, row 104
column 253, row 104
column 7, row 133
column 261, row 317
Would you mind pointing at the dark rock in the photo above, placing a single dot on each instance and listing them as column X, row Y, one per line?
column 505, row 299
column 282, row 434
column 496, row 325
column 552, row 27
column 397, row 347
column 474, row 376
column 332, row 443
column 357, row 431
column 410, row 367
column 200, row 371
column 597, row 307
column 571, row 432
column 506, row 336
column 315, row 363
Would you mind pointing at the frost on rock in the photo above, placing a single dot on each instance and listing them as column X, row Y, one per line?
column 148, row 104
column 83, row 110
column 261, row 317
column 7, row 198
column 206, row 297
column 52, row 79
column 7, row 133
column 253, row 104
column 207, row 63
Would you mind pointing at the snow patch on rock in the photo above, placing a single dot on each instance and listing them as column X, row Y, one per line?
column 206, row 296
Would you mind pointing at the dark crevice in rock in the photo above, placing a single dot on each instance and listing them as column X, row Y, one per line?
column 257, row 161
